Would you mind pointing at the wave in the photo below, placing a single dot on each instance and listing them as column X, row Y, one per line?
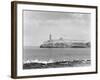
column 38, row 61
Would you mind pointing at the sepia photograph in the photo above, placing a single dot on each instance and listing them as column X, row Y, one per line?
column 50, row 39
column 56, row 39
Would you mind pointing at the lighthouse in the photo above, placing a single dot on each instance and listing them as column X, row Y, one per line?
column 50, row 37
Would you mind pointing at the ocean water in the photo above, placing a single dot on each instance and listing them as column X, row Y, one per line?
column 56, row 54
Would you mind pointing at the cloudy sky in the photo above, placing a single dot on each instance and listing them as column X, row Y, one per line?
column 37, row 25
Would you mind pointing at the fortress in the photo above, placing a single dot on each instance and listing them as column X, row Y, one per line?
column 64, row 43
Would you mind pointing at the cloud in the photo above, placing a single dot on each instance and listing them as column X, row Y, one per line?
column 39, row 24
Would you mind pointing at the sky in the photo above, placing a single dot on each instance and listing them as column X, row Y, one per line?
column 38, row 25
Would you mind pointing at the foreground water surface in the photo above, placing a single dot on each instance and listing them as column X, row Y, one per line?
column 55, row 54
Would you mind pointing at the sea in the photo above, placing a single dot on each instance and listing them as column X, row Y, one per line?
column 56, row 54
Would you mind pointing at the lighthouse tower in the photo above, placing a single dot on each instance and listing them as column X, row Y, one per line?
column 50, row 37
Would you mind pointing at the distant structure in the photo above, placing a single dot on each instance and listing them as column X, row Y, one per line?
column 50, row 37
column 64, row 43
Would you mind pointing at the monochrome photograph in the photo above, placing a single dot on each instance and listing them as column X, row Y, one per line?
column 56, row 39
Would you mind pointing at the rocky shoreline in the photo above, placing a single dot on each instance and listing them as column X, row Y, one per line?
column 74, row 63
